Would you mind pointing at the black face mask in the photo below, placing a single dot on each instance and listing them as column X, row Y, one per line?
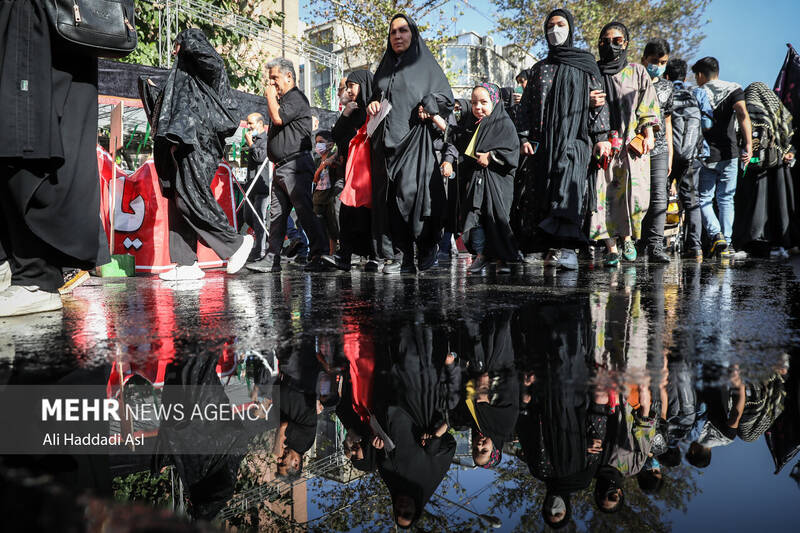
column 610, row 52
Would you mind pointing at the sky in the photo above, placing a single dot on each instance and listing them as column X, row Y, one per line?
column 746, row 52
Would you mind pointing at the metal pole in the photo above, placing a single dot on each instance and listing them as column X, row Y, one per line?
column 493, row 521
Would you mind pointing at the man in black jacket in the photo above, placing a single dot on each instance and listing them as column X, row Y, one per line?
column 289, row 148
column 256, row 153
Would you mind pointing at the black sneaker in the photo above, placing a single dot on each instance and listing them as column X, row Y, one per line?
column 301, row 260
column 340, row 261
column 408, row 266
column 254, row 256
column 268, row 263
column 718, row 246
column 391, row 267
column 371, row 266
column 293, row 248
column 430, row 260
column 317, row 264
column 657, row 255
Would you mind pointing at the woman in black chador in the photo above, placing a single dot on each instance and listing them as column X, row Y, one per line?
column 564, row 417
column 491, row 154
column 49, row 186
column 407, row 188
column 191, row 116
column 412, row 408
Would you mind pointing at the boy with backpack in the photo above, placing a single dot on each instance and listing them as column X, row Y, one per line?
column 688, row 148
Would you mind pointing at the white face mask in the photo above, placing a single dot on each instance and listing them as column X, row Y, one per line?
column 557, row 35
column 320, row 148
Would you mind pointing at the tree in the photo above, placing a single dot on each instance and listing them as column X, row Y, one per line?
column 523, row 21
column 365, row 25
column 244, row 65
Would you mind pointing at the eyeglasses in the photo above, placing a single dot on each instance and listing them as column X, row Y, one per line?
column 609, row 40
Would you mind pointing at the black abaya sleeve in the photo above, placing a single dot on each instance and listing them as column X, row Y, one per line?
column 599, row 118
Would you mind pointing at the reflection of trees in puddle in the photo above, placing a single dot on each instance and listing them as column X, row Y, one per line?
column 517, row 492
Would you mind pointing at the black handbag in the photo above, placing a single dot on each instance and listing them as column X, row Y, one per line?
column 104, row 28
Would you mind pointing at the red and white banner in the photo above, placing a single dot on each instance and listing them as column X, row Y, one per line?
column 141, row 224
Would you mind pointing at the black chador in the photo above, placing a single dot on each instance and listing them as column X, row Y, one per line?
column 408, row 191
column 489, row 191
column 191, row 116
column 49, row 185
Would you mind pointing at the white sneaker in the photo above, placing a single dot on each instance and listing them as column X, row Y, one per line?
column 568, row 259
column 239, row 257
column 183, row 272
column 23, row 300
column 5, row 275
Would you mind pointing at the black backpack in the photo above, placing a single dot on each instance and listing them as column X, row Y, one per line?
column 687, row 133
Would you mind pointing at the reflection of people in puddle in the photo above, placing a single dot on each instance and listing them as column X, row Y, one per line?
column 413, row 412
column 210, row 477
column 562, row 423
column 628, row 445
column 360, row 444
column 491, row 399
column 297, row 393
column 737, row 409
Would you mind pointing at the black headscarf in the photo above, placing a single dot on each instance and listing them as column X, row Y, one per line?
column 364, row 79
column 567, row 54
column 506, row 94
column 609, row 67
column 407, row 81
column 346, row 127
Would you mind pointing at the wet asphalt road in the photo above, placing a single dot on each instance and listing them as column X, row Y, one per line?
column 748, row 312
column 715, row 317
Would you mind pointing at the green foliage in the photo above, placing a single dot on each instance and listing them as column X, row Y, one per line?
column 680, row 22
column 246, row 74
column 143, row 487
column 369, row 21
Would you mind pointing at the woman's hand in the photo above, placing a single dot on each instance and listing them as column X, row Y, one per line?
column 527, row 149
column 649, row 140
column 597, row 98
column 373, row 108
column 439, row 122
column 447, row 169
column 597, row 447
column 422, row 114
column 602, row 149
column 483, row 158
column 349, row 108
column 377, row 443
column 788, row 156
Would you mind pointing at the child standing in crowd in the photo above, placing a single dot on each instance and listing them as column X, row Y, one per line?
column 623, row 186
column 324, row 193
column 491, row 157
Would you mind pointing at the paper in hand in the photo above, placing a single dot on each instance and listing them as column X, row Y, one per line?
column 388, row 444
column 374, row 121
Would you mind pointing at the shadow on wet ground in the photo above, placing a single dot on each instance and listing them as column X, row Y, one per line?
column 640, row 398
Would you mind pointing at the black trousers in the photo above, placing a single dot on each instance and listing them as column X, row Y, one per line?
column 291, row 187
column 32, row 260
column 657, row 212
column 355, row 231
column 688, row 177
column 186, row 229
